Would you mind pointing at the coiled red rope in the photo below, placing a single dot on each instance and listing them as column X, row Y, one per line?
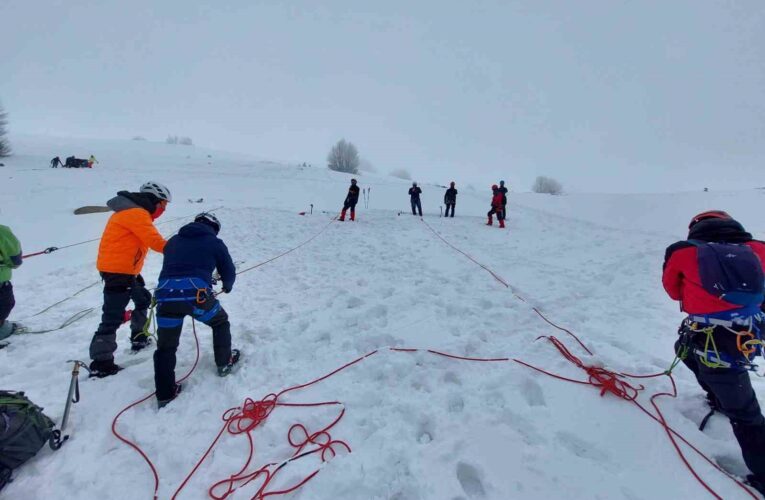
column 245, row 419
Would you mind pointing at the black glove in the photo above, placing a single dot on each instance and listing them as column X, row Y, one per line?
column 226, row 288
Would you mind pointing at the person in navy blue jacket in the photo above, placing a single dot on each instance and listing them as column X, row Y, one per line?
column 185, row 289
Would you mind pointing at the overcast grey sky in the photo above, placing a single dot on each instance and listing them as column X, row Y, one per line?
column 604, row 95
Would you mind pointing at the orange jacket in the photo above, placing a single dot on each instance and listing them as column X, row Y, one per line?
column 127, row 238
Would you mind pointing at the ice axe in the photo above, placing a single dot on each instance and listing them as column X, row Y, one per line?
column 73, row 396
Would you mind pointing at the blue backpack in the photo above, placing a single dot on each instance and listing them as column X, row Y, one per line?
column 731, row 272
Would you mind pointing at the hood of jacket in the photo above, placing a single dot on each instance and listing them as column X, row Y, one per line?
column 196, row 230
column 126, row 200
column 719, row 230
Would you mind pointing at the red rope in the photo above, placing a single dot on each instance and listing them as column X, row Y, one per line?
column 610, row 382
column 136, row 403
column 246, row 418
column 485, row 268
column 615, row 383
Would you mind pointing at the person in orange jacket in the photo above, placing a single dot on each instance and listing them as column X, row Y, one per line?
column 126, row 241
column 497, row 207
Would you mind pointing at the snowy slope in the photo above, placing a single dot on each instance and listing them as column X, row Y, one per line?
column 420, row 426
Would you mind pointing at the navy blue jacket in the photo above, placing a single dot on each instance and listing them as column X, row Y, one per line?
column 195, row 252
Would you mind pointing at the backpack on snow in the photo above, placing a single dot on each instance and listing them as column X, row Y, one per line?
column 24, row 430
column 731, row 272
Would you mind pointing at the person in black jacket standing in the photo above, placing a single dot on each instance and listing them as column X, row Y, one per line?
column 350, row 201
column 185, row 289
column 414, row 197
column 450, row 199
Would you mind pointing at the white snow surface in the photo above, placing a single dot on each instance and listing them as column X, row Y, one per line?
column 420, row 426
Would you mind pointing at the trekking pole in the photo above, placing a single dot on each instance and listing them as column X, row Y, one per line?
column 74, row 391
column 311, row 208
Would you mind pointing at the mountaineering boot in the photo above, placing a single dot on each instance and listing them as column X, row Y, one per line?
column 342, row 216
column 161, row 403
column 103, row 368
column 353, row 215
column 502, row 223
column 226, row 369
column 139, row 343
column 490, row 221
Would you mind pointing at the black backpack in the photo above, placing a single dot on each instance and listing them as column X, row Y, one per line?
column 24, row 430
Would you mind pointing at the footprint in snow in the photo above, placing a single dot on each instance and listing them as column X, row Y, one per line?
column 469, row 478
column 354, row 302
column 532, row 392
column 580, row 447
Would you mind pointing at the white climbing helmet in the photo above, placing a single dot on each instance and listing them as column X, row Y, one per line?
column 158, row 190
column 208, row 218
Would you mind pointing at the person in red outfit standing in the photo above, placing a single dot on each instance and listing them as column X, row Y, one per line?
column 497, row 207
column 717, row 277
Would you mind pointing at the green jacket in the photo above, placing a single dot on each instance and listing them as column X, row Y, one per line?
column 10, row 253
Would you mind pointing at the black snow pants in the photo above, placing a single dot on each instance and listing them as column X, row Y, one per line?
column 732, row 391
column 416, row 205
column 119, row 290
column 170, row 317
column 7, row 301
column 350, row 204
column 449, row 205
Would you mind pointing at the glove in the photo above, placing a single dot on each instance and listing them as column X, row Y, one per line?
column 226, row 289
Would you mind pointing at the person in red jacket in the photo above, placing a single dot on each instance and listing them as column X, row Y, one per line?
column 497, row 207
column 717, row 277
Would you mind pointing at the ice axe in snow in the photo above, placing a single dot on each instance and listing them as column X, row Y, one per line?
column 73, row 395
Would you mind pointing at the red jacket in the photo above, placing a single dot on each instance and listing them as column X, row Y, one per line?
column 496, row 201
column 682, row 279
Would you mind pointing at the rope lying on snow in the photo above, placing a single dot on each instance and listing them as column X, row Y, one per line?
column 115, row 421
column 612, row 382
column 244, row 420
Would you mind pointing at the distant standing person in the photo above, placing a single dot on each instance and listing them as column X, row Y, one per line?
column 496, row 207
column 503, row 190
column 56, row 162
column 350, row 201
column 10, row 258
column 127, row 238
column 450, row 199
column 91, row 161
column 414, row 198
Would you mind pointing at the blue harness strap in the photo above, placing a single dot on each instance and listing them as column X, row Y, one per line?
column 205, row 316
column 181, row 290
